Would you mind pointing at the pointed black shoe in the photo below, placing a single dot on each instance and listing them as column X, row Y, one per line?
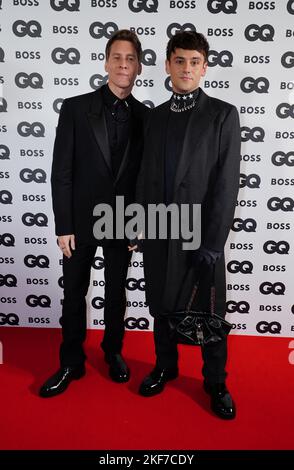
column 118, row 369
column 59, row 382
column 221, row 403
column 155, row 382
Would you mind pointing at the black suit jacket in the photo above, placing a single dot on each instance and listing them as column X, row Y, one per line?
column 81, row 171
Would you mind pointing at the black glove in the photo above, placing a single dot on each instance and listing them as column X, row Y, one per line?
column 206, row 256
column 139, row 243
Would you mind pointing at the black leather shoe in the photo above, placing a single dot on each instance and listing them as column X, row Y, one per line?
column 59, row 382
column 221, row 403
column 154, row 382
column 118, row 369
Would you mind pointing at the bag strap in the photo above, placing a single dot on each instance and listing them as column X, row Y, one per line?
column 212, row 293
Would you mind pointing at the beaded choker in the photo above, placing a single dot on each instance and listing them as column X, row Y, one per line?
column 183, row 102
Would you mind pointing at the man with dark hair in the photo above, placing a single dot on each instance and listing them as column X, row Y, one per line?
column 96, row 157
column 191, row 156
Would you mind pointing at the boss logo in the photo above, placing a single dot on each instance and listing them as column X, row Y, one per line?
column 32, row 80
column 255, row 134
column 9, row 319
column 31, row 28
column 223, row 58
column 35, row 129
column 3, row 105
column 61, row 282
column 5, row 197
column 39, row 219
column 37, row 176
column 224, row 6
column 276, row 288
column 133, row 284
column 287, row 60
column 141, row 323
column 290, row 7
column 99, row 30
column 57, row 105
column 281, row 158
column 275, row 204
column 240, row 307
column 244, row 267
column 2, row 55
column 149, row 6
column 248, row 225
column 8, row 280
column 273, row 327
column 7, row 239
column 4, row 152
column 149, row 103
column 285, row 110
column 96, row 81
column 265, row 33
column 38, row 301
column 282, row 247
column 148, row 57
column 32, row 261
column 98, row 263
column 259, row 85
column 98, row 302
column 251, row 181
column 62, row 56
column 174, row 28
column 69, row 5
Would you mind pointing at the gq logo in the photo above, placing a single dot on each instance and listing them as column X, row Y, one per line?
column 174, row 28
column 98, row 302
column 7, row 239
column 4, row 152
column 9, row 319
column 276, row 288
column 282, row 247
column 61, row 282
column 149, row 6
column 275, row 203
column 290, row 7
column 249, row 84
column 39, row 219
column 62, row 56
column 285, row 110
column 42, row 301
column 133, row 284
column 5, row 197
column 251, row 181
column 8, row 280
column 223, row 58
column 98, row 263
column 69, row 5
column 35, row 129
column 149, row 103
column 3, row 105
column 265, row 33
column 281, row 158
column 148, row 57
column 99, row 30
column 96, row 81
column 244, row 267
column 37, row 176
column 255, row 134
column 225, row 6
column 248, row 225
column 31, row 28
column 273, row 327
column 167, row 84
column 287, row 60
column 141, row 323
column 239, row 307
column 32, row 261
column 2, row 55
column 33, row 80
column 57, row 105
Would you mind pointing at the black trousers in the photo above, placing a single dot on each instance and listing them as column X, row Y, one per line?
column 76, row 276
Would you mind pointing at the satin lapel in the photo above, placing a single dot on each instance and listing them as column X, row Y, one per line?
column 125, row 159
column 195, row 133
column 98, row 124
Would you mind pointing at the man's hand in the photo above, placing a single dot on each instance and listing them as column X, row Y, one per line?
column 66, row 244
column 204, row 255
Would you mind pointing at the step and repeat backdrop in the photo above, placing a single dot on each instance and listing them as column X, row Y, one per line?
column 50, row 50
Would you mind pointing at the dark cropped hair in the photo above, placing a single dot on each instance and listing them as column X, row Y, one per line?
column 188, row 40
column 124, row 35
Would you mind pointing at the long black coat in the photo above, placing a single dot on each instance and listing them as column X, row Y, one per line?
column 81, row 171
column 207, row 174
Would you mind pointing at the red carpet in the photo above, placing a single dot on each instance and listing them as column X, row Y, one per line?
column 95, row 413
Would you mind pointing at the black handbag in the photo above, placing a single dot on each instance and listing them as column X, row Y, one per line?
column 198, row 328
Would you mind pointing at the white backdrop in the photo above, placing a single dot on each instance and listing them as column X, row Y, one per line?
column 50, row 50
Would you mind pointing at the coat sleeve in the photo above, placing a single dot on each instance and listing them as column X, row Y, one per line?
column 226, row 184
column 62, row 172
